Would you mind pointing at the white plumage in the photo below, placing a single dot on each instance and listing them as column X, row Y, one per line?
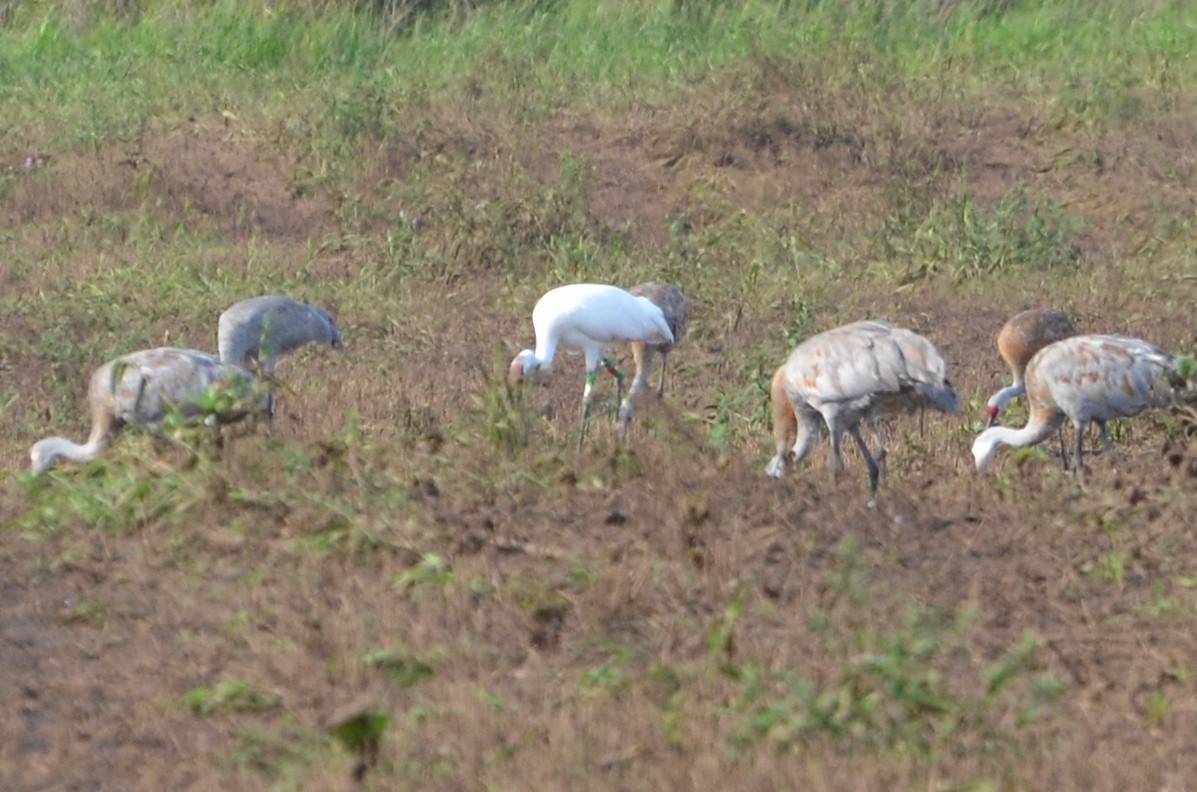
column 588, row 318
column 254, row 333
column 139, row 389
column 864, row 370
column 1086, row 378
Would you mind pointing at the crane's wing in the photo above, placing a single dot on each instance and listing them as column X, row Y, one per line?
column 871, row 361
column 603, row 314
column 1102, row 376
column 146, row 385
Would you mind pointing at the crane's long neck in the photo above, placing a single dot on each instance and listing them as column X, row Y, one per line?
column 546, row 350
column 103, row 427
column 999, row 399
column 1028, row 435
column 1038, row 429
column 48, row 451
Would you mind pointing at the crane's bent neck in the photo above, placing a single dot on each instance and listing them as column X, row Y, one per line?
column 1007, row 393
column 546, row 350
column 48, row 451
column 1034, row 432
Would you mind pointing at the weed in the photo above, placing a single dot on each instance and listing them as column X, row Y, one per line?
column 431, row 570
column 967, row 241
column 401, row 667
column 233, row 695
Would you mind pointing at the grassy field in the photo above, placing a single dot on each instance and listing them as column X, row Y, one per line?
column 416, row 583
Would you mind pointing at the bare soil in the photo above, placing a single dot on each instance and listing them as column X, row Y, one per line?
column 101, row 634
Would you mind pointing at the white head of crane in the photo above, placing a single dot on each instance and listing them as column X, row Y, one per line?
column 588, row 318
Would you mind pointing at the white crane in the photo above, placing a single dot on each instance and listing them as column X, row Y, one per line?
column 676, row 309
column 864, row 370
column 254, row 333
column 1018, row 341
column 140, row 389
column 1086, row 378
column 587, row 318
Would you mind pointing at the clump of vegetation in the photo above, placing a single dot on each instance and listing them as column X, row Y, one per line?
column 419, row 533
column 233, row 694
column 966, row 241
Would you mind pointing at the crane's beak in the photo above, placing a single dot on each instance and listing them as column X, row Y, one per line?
column 993, row 416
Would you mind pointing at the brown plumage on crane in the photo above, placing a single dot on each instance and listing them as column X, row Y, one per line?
column 673, row 305
column 1086, row 378
column 1018, row 341
column 860, row 371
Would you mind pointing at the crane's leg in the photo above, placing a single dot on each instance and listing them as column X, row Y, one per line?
column 270, row 412
column 587, row 392
column 644, row 362
column 1063, row 450
column 785, row 426
column 1107, row 447
column 874, row 471
column 614, row 372
column 837, row 461
column 1078, row 469
column 882, row 454
column 795, row 441
column 664, row 370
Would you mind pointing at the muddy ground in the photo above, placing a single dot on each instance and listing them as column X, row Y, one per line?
column 103, row 632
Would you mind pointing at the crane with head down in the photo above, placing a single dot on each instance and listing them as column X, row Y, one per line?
column 860, row 371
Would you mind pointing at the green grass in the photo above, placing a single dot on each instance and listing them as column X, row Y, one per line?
column 96, row 78
column 530, row 615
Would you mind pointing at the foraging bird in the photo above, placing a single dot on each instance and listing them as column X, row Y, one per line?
column 1018, row 341
column 1086, row 378
column 254, row 333
column 676, row 310
column 864, row 370
column 140, row 389
column 587, row 318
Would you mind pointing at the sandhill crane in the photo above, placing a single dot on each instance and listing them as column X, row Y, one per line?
column 254, row 333
column 139, row 389
column 1018, row 341
column 1086, row 378
column 863, row 370
column 587, row 318
column 676, row 310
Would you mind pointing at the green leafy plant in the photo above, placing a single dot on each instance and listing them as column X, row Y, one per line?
column 233, row 695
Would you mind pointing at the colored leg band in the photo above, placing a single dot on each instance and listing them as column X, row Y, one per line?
column 614, row 372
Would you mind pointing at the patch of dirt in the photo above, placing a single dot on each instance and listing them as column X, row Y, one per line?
column 210, row 168
column 203, row 170
column 560, row 583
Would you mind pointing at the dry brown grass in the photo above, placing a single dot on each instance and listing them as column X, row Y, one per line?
column 568, row 636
